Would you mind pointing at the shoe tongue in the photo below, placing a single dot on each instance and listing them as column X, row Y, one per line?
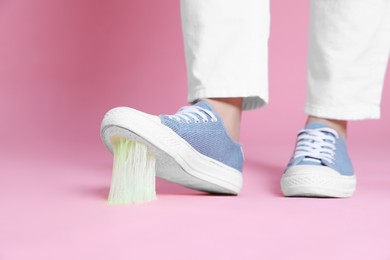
column 315, row 125
column 312, row 126
column 204, row 104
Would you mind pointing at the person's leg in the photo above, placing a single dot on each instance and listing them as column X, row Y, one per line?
column 349, row 44
column 226, row 47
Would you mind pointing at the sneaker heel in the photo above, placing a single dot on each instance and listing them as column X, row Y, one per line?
column 133, row 174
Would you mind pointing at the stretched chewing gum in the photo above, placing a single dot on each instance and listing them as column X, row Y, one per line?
column 133, row 174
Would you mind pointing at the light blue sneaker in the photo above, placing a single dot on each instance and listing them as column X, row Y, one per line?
column 320, row 165
column 192, row 147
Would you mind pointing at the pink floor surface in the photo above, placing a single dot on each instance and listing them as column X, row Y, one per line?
column 54, row 207
column 63, row 64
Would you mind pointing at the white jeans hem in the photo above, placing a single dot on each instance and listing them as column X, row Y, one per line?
column 342, row 113
column 250, row 100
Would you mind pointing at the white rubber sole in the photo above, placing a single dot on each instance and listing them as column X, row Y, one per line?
column 316, row 181
column 176, row 160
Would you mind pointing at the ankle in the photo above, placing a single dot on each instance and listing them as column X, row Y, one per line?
column 229, row 109
column 339, row 125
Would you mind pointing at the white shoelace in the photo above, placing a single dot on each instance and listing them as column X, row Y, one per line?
column 317, row 145
column 190, row 112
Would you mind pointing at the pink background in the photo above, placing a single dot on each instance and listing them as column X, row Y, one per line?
column 63, row 64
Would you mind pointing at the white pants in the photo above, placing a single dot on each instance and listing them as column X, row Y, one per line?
column 226, row 45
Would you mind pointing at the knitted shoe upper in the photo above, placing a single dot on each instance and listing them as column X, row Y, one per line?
column 202, row 127
column 319, row 145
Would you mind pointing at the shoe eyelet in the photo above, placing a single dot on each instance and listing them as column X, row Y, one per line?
column 205, row 120
column 197, row 121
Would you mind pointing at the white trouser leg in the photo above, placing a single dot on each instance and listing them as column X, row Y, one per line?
column 349, row 44
column 226, row 47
